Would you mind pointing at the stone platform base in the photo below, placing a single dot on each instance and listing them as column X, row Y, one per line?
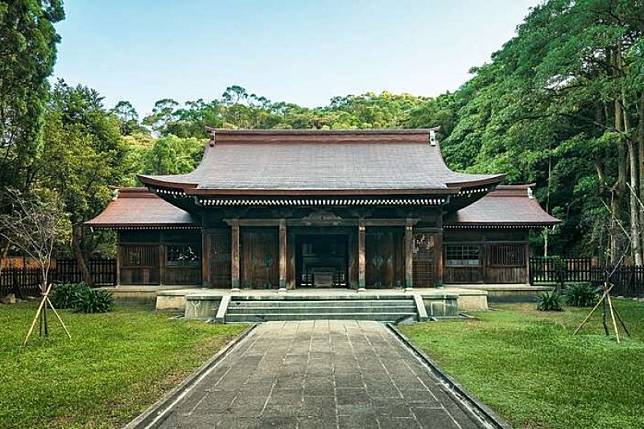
column 468, row 299
column 500, row 293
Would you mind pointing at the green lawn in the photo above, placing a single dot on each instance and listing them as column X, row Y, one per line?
column 529, row 368
column 114, row 367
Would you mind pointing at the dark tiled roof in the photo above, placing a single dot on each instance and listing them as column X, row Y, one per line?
column 138, row 208
column 308, row 161
column 508, row 205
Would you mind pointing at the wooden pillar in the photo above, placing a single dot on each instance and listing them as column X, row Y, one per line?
column 440, row 264
column 205, row 258
column 161, row 259
column 282, row 255
column 234, row 255
column 361, row 257
column 409, row 256
column 527, row 263
column 290, row 260
column 119, row 257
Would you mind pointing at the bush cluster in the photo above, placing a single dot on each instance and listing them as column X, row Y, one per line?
column 81, row 298
column 581, row 295
column 549, row 301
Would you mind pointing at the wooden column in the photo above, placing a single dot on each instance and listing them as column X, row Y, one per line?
column 527, row 263
column 362, row 261
column 205, row 258
column 282, row 255
column 439, row 254
column 119, row 257
column 409, row 256
column 234, row 255
column 161, row 259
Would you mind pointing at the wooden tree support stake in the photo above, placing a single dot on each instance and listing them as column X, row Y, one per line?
column 45, row 300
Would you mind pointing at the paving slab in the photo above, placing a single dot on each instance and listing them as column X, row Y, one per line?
column 320, row 374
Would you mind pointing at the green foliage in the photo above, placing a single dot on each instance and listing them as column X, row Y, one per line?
column 68, row 295
column 83, row 157
column 115, row 366
column 173, row 155
column 526, row 365
column 581, row 295
column 549, row 301
column 94, row 301
column 27, row 55
column 81, row 298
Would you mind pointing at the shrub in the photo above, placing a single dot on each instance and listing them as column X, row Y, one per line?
column 95, row 301
column 581, row 295
column 67, row 295
column 549, row 301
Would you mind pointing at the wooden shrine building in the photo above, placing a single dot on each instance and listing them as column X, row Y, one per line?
column 322, row 209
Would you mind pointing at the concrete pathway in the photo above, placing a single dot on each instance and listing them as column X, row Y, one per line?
column 319, row 374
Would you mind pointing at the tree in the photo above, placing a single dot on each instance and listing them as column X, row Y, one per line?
column 556, row 106
column 173, row 155
column 83, row 158
column 27, row 55
column 36, row 224
column 129, row 118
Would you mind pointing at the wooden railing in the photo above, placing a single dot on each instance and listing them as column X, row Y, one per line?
column 27, row 280
column 627, row 280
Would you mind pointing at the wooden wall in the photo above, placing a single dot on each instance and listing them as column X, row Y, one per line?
column 159, row 257
column 502, row 256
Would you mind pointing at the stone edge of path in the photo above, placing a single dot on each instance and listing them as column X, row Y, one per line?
column 156, row 413
column 463, row 397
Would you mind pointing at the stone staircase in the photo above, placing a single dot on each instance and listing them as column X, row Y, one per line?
column 261, row 309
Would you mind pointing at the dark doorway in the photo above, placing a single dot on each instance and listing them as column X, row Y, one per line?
column 321, row 260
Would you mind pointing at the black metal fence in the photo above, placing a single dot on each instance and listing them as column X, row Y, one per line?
column 28, row 280
column 628, row 280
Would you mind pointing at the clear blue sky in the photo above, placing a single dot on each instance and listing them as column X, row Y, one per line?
column 298, row 51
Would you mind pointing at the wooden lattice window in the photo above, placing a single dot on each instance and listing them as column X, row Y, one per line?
column 140, row 256
column 507, row 255
column 462, row 255
column 423, row 256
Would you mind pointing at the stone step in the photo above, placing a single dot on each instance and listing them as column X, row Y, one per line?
column 334, row 303
column 314, row 309
column 380, row 316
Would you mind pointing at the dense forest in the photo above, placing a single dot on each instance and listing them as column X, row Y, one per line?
column 561, row 105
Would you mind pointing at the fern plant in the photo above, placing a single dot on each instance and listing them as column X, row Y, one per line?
column 549, row 301
column 67, row 295
column 95, row 301
column 581, row 295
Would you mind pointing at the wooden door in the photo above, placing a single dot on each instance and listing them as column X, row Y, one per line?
column 384, row 257
column 218, row 242
column 259, row 258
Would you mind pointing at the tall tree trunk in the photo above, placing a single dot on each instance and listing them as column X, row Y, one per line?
column 640, row 146
column 620, row 185
column 78, row 253
column 636, row 243
column 618, row 189
column 634, row 205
